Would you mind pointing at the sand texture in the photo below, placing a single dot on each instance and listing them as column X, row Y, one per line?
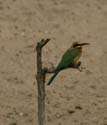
column 74, row 98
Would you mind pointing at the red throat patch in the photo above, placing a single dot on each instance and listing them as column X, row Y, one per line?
column 80, row 49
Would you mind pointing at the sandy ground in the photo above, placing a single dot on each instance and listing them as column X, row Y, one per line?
column 74, row 98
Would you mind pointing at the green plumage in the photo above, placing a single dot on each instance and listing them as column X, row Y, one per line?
column 69, row 59
column 66, row 62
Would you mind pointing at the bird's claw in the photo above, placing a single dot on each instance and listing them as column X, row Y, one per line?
column 82, row 68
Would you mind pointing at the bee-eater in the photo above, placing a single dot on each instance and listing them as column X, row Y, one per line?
column 69, row 59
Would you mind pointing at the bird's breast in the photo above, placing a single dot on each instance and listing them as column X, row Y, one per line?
column 77, row 58
column 79, row 55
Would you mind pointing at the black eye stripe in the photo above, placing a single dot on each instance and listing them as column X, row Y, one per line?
column 76, row 45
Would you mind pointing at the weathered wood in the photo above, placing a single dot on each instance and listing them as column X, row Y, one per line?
column 41, row 75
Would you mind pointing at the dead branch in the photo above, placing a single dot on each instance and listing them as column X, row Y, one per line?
column 41, row 76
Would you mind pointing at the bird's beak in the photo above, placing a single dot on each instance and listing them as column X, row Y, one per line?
column 82, row 44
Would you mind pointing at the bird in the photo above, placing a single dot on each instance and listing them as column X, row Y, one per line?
column 70, row 59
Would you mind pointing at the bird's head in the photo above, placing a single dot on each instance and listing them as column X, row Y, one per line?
column 78, row 45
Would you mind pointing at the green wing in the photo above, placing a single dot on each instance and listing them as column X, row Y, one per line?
column 68, row 59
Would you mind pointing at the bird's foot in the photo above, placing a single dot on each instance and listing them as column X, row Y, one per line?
column 79, row 67
column 82, row 68
column 78, row 64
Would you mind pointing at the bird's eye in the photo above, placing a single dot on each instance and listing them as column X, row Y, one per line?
column 75, row 45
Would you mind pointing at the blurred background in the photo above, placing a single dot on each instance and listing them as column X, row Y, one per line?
column 77, row 98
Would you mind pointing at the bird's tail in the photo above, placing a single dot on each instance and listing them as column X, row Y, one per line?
column 52, row 78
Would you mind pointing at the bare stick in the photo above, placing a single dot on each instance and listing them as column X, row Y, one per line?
column 49, row 70
column 41, row 75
